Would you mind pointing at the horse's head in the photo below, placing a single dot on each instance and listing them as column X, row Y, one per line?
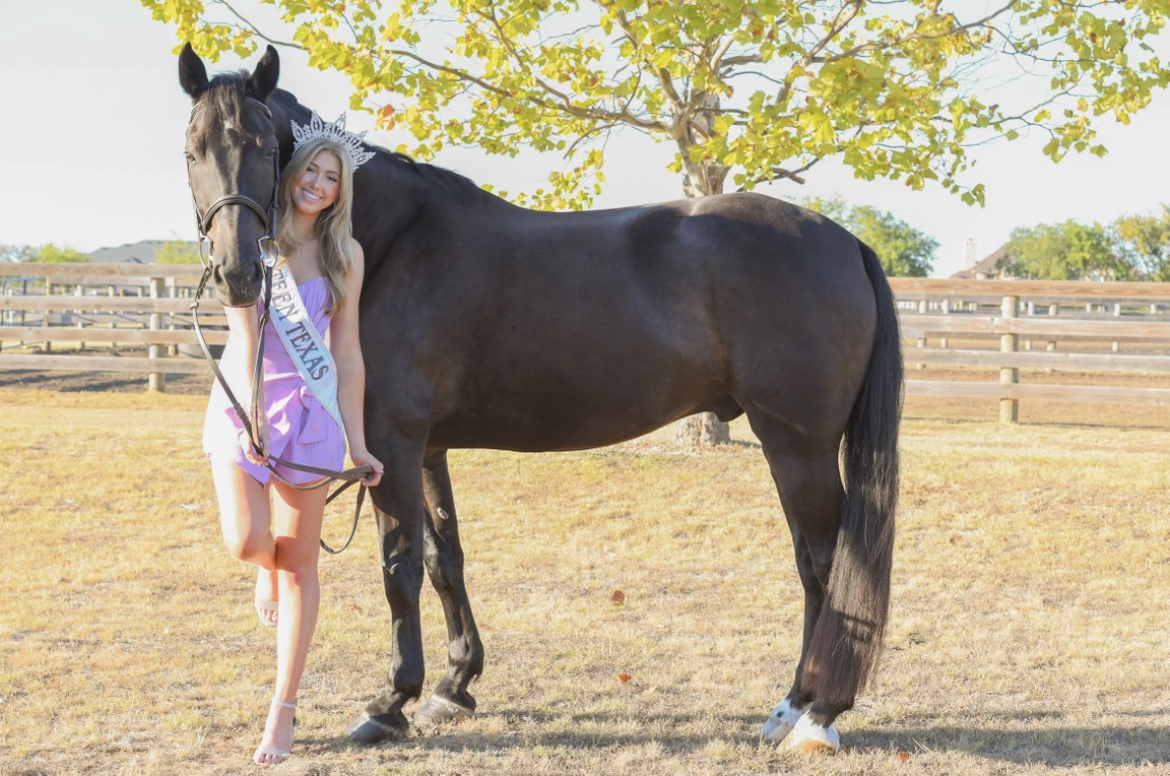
column 232, row 166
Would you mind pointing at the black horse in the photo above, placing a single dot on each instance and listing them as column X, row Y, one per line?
column 486, row 325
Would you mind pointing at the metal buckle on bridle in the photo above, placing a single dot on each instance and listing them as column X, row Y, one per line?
column 204, row 240
column 267, row 246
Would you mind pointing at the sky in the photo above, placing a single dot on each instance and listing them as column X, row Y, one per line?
column 92, row 121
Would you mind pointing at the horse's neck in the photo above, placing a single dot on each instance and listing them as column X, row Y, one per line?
column 389, row 196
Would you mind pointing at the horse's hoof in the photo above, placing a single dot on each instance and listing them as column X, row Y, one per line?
column 375, row 730
column 780, row 722
column 807, row 737
column 439, row 711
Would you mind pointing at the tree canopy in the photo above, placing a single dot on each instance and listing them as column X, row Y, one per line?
column 16, row 252
column 903, row 250
column 177, row 252
column 746, row 90
column 1131, row 248
column 53, row 254
column 1145, row 244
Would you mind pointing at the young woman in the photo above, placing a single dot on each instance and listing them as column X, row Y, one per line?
column 266, row 521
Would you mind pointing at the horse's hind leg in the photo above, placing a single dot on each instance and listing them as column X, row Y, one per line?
column 806, row 474
column 443, row 557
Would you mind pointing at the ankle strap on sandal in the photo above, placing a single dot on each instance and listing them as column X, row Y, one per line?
column 292, row 705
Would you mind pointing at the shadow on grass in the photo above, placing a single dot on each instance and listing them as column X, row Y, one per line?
column 99, row 382
column 1055, row 746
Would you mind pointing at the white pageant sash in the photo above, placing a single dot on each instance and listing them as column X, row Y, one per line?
column 303, row 342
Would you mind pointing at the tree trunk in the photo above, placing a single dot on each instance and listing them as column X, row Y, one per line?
column 701, row 179
column 701, row 430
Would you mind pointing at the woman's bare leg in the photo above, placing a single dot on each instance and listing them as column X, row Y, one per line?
column 298, row 515
column 245, row 513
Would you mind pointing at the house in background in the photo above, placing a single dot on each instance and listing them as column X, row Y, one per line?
column 987, row 269
column 141, row 252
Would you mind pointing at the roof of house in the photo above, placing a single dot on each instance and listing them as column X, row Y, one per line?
column 987, row 268
column 141, row 252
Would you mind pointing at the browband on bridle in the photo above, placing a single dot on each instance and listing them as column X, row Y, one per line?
column 267, row 245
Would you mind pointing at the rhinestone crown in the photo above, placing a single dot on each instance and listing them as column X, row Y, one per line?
column 318, row 127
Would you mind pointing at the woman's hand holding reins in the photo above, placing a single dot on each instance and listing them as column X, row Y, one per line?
column 362, row 456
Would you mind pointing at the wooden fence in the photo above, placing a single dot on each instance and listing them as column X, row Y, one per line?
column 1083, row 327
column 111, row 306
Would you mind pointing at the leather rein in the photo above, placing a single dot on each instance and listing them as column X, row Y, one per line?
column 267, row 245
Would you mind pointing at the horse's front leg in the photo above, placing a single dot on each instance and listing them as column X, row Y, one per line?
column 398, row 508
column 443, row 556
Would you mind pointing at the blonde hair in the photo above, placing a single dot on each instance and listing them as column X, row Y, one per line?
column 334, row 227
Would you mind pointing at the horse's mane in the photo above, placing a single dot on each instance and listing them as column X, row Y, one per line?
column 226, row 94
column 447, row 180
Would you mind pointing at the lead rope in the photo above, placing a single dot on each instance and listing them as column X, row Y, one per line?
column 353, row 475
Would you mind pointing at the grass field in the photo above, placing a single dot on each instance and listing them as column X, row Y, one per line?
column 1030, row 629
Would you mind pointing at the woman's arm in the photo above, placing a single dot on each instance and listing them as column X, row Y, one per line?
column 244, row 325
column 345, row 346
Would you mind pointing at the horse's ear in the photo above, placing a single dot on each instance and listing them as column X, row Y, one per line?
column 264, row 77
column 192, row 73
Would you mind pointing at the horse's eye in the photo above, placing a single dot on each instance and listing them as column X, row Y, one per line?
column 190, row 156
column 271, row 153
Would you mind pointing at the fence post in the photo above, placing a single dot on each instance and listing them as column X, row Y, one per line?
column 172, row 292
column 1009, row 409
column 157, row 380
column 80, row 322
column 1116, row 314
column 45, row 318
column 922, row 309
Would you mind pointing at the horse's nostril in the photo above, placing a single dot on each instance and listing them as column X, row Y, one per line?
column 257, row 272
column 217, row 273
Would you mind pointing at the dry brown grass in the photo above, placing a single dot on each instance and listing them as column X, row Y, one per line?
column 1030, row 631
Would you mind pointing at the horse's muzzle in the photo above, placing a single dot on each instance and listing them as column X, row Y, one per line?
column 238, row 284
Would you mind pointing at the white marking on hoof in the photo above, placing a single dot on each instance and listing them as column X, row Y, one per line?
column 781, row 721
column 807, row 737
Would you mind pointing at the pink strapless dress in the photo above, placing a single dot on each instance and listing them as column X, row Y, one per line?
column 301, row 429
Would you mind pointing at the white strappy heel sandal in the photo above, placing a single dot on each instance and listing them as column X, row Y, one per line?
column 270, row 750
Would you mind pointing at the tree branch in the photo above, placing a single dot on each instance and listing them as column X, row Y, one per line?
column 256, row 31
column 566, row 104
column 915, row 35
column 716, row 61
column 663, row 76
column 779, row 173
column 745, row 59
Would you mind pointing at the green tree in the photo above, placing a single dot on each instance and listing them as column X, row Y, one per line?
column 50, row 253
column 1064, row 251
column 757, row 90
column 747, row 90
column 16, row 252
column 1145, row 242
column 904, row 251
column 177, row 252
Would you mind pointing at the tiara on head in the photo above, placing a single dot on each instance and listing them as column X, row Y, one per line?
column 319, row 128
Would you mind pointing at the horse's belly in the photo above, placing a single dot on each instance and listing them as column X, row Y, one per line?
column 591, row 408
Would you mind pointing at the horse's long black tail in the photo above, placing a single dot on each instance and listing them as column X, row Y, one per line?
column 848, row 636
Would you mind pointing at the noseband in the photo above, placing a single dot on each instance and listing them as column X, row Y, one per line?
column 267, row 245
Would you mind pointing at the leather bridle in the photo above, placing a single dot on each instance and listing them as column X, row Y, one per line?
column 267, row 246
column 267, row 217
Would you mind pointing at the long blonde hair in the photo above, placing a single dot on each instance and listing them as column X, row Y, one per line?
column 334, row 227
